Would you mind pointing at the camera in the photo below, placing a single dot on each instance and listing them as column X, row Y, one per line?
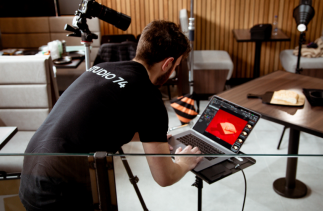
column 90, row 8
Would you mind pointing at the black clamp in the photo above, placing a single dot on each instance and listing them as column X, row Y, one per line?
column 82, row 29
column 134, row 180
column 198, row 182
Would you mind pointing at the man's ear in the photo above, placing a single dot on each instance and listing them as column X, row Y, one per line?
column 167, row 63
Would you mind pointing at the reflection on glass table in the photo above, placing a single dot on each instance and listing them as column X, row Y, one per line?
column 83, row 175
column 270, row 164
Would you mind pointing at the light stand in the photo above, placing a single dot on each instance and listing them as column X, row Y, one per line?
column 301, row 40
column 191, row 29
column 302, row 14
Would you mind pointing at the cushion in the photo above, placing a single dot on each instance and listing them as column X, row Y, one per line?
column 213, row 59
column 289, row 61
column 30, row 69
column 24, row 119
column 30, row 96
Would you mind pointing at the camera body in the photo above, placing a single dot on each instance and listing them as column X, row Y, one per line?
column 83, row 7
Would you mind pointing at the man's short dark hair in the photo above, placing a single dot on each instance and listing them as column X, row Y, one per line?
column 159, row 40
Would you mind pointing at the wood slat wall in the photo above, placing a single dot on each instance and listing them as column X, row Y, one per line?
column 214, row 21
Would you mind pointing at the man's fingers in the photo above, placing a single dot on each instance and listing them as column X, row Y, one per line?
column 188, row 147
column 178, row 150
column 169, row 136
column 196, row 150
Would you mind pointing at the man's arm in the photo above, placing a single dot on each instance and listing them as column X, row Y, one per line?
column 166, row 172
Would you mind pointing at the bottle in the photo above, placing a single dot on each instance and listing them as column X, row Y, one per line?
column 275, row 25
column 64, row 48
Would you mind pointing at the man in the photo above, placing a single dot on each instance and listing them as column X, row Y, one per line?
column 101, row 111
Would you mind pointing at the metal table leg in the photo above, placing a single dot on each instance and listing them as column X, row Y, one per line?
column 289, row 186
column 256, row 68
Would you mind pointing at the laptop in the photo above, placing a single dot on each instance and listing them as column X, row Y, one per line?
column 222, row 128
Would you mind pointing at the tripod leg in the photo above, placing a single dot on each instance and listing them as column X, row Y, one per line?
column 133, row 179
column 199, row 184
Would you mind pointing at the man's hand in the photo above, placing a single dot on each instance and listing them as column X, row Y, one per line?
column 190, row 161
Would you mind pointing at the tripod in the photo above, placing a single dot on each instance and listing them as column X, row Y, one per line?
column 199, row 184
column 103, row 181
column 133, row 179
column 86, row 35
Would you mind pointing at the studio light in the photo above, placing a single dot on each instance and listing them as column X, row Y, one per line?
column 303, row 14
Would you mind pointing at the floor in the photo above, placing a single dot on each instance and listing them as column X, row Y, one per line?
column 227, row 194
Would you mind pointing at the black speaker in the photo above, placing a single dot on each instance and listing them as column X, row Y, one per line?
column 261, row 32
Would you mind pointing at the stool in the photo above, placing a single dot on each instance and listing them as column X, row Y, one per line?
column 211, row 70
column 311, row 66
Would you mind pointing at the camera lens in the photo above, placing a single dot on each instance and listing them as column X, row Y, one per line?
column 111, row 16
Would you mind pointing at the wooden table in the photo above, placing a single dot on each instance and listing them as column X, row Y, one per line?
column 74, row 64
column 243, row 35
column 77, row 59
column 307, row 118
column 6, row 133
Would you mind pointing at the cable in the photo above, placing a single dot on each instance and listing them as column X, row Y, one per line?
column 245, row 185
column 245, row 182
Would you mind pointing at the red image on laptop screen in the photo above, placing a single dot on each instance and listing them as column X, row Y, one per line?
column 226, row 126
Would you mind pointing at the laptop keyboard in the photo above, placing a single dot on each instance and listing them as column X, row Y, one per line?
column 205, row 148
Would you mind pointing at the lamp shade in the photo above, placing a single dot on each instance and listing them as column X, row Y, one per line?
column 303, row 14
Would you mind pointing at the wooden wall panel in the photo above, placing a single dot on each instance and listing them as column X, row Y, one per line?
column 214, row 21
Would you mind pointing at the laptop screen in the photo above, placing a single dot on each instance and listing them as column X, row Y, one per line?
column 226, row 123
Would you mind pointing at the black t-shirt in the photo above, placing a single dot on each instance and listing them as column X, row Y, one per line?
column 100, row 111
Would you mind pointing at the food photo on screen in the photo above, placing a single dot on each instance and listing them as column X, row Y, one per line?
column 226, row 126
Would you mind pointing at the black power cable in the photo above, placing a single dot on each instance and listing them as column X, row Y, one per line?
column 245, row 185
column 245, row 182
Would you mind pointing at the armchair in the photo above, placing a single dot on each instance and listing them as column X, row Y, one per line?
column 28, row 92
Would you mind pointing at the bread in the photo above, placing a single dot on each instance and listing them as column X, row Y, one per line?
column 228, row 128
column 286, row 95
